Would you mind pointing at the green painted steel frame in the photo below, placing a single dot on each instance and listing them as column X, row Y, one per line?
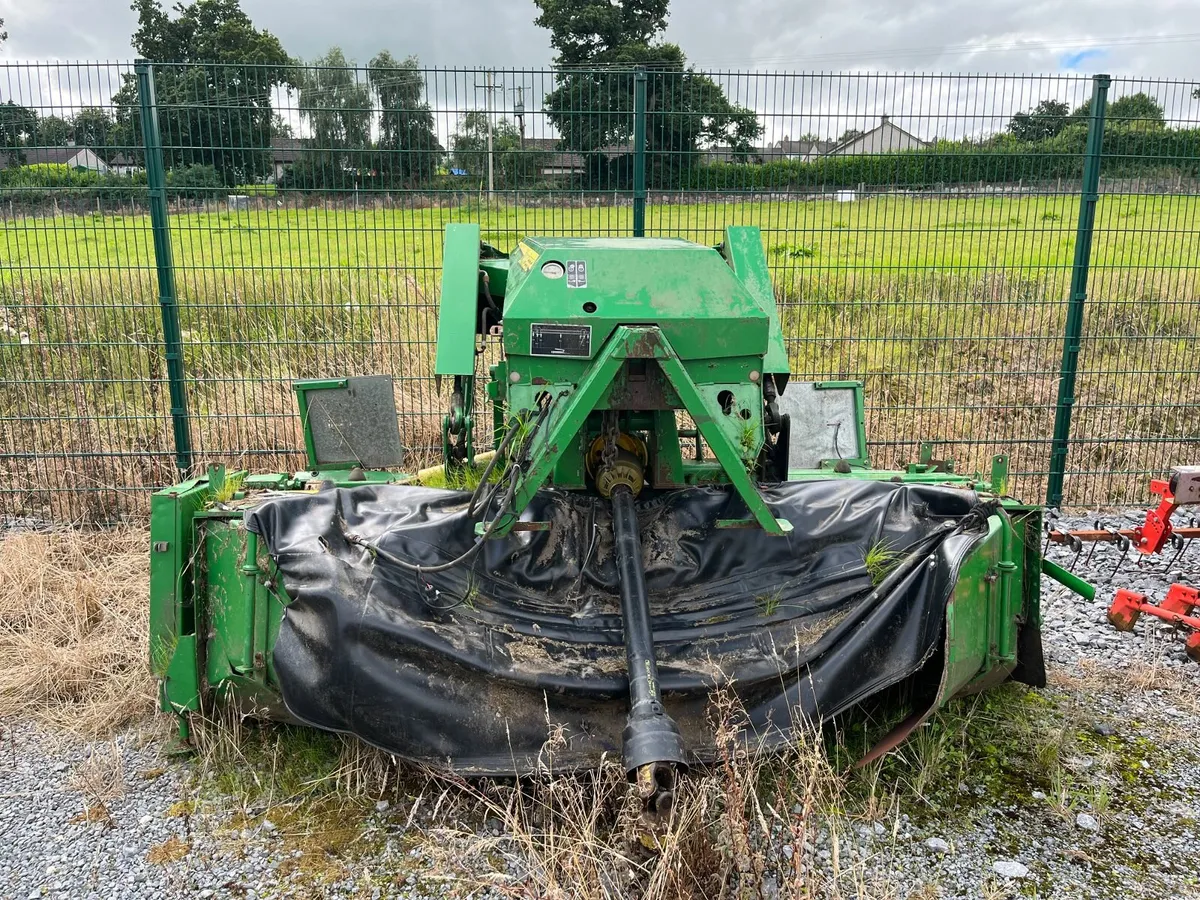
column 573, row 405
column 302, row 389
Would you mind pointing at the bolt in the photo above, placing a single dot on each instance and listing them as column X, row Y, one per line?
column 754, row 376
column 514, row 377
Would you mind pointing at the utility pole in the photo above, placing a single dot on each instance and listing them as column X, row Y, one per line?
column 490, row 86
column 519, row 111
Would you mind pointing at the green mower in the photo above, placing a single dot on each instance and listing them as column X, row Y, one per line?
column 654, row 511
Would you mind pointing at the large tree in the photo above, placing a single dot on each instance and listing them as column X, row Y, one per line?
column 408, row 146
column 92, row 126
column 1045, row 120
column 52, row 131
column 18, row 128
column 336, row 104
column 1139, row 111
column 598, row 43
column 214, row 73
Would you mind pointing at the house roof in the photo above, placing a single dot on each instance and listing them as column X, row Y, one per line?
column 884, row 122
column 286, row 150
column 799, row 147
column 49, row 155
column 122, row 159
column 721, row 153
column 555, row 157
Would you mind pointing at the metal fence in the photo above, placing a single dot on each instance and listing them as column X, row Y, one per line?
column 1008, row 263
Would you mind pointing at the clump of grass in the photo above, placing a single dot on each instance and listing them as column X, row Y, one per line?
column 171, row 850
column 228, row 487
column 99, row 780
column 73, row 626
column 768, row 604
column 880, row 559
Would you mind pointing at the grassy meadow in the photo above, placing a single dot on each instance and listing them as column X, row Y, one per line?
column 951, row 309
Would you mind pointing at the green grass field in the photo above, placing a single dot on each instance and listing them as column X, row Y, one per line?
column 951, row 310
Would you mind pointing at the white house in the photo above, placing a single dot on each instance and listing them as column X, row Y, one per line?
column 123, row 164
column 886, row 137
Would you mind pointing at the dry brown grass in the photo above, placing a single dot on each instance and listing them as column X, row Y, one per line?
column 582, row 835
column 171, row 850
column 73, row 625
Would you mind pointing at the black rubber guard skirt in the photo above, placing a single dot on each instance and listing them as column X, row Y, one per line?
column 470, row 668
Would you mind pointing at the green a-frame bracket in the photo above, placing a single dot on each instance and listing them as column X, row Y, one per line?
column 572, row 404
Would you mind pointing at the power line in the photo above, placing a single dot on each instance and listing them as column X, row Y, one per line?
column 1065, row 43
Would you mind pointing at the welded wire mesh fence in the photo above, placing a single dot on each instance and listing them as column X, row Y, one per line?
column 923, row 233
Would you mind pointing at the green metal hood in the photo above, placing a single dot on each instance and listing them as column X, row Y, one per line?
column 688, row 290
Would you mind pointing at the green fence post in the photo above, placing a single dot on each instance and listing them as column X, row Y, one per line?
column 639, row 153
column 1079, row 283
column 165, row 264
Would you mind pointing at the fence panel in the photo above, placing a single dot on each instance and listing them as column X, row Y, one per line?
column 910, row 247
column 84, row 414
column 1139, row 398
column 324, row 257
column 920, row 232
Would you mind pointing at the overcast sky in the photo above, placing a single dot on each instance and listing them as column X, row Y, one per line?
column 1147, row 37
column 1069, row 39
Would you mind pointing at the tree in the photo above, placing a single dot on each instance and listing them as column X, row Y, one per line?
column 18, row 126
column 93, row 127
column 1044, row 121
column 597, row 43
column 3, row 32
column 214, row 75
column 52, row 131
column 850, row 134
column 590, row 32
column 337, row 107
column 512, row 165
column 1138, row 111
column 408, row 146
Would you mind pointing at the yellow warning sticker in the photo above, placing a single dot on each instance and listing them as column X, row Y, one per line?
column 528, row 256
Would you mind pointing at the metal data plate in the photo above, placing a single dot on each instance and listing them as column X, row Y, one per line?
column 357, row 424
column 824, row 424
column 546, row 339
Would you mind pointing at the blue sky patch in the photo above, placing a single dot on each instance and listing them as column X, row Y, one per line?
column 1074, row 59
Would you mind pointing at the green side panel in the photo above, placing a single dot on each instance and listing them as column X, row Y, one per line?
column 497, row 272
column 181, row 681
column 744, row 251
column 457, row 307
column 172, row 645
column 230, row 613
column 992, row 598
column 969, row 612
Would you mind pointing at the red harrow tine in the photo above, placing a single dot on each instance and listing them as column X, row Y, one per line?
column 1182, row 488
column 1177, row 608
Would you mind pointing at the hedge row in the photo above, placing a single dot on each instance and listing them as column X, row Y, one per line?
column 1126, row 152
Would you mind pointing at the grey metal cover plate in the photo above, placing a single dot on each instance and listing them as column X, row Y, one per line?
column 357, row 424
column 823, row 424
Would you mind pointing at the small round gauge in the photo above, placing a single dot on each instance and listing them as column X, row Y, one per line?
column 553, row 269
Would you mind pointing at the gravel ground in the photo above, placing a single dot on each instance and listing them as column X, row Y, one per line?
column 118, row 819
